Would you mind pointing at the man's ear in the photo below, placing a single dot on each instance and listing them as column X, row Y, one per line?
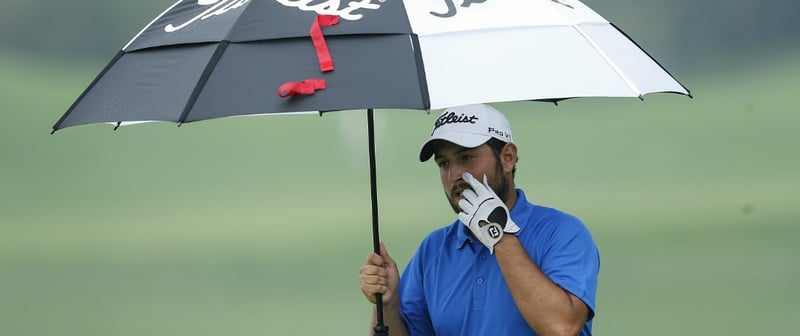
column 508, row 157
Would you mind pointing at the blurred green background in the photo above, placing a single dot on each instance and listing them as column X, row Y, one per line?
column 246, row 226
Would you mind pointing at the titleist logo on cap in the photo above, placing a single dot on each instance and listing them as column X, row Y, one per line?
column 453, row 118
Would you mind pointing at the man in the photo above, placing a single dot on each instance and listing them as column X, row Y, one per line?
column 528, row 271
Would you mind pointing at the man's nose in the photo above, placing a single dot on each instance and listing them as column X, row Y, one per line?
column 456, row 173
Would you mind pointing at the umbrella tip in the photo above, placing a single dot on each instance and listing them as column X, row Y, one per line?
column 53, row 131
column 641, row 97
column 119, row 123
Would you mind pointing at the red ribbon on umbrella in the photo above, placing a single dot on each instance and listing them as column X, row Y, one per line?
column 307, row 87
column 310, row 86
column 325, row 61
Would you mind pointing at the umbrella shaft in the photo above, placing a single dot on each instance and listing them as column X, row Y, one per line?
column 376, row 242
column 380, row 329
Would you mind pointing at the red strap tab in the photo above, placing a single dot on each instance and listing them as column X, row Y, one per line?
column 324, row 56
column 306, row 87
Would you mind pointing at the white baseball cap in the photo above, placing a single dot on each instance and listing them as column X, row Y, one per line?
column 468, row 126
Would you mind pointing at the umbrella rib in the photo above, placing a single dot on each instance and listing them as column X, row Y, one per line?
column 610, row 62
column 688, row 93
column 201, row 83
column 85, row 92
column 423, row 81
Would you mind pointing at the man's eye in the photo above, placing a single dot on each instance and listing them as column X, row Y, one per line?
column 442, row 164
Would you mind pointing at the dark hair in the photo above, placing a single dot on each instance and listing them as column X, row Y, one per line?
column 497, row 146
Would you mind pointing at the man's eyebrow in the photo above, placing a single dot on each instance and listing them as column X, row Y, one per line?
column 461, row 150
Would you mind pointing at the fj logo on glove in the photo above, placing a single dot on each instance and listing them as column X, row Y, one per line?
column 494, row 231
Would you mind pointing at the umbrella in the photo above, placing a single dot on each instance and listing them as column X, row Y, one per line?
column 208, row 59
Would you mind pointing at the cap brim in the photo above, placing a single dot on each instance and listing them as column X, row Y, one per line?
column 468, row 140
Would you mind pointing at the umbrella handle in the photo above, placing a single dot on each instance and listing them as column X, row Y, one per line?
column 380, row 329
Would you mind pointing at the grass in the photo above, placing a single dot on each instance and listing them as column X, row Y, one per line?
column 258, row 225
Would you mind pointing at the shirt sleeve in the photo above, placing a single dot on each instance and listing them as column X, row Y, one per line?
column 571, row 260
column 413, row 306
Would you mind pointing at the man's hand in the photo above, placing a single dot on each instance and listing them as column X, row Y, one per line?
column 379, row 275
column 484, row 213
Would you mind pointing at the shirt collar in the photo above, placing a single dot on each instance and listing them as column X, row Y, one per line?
column 520, row 212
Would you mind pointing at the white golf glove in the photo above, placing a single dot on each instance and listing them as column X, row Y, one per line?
column 484, row 213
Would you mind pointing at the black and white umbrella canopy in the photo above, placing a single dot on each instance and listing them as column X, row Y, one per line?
column 205, row 59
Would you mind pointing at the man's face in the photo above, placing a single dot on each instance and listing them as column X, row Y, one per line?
column 453, row 161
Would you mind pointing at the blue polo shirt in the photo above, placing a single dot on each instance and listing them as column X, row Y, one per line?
column 453, row 286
